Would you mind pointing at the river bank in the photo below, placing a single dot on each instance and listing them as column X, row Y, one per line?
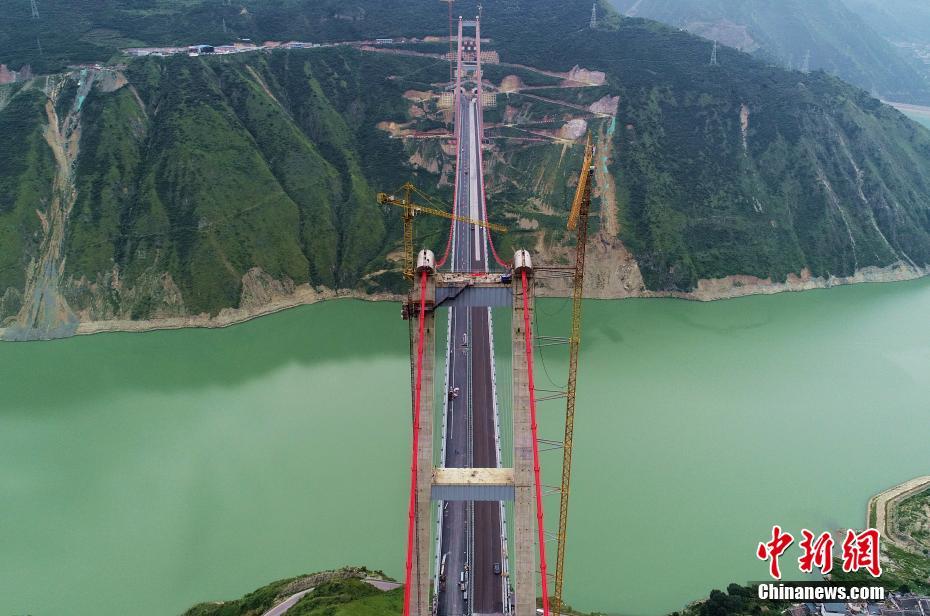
column 910, row 110
column 707, row 290
column 131, row 464
column 880, row 511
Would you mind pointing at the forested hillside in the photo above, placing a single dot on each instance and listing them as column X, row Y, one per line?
column 897, row 20
column 823, row 35
column 172, row 187
column 195, row 172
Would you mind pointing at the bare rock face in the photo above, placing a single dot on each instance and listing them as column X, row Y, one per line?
column 574, row 129
column 611, row 271
column 152, row 295
column 419, row 159
column 583, row 75
column 259, row 289
column 608, row 105
column 511, row 83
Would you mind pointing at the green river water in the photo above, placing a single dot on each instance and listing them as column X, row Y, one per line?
column 140, row 473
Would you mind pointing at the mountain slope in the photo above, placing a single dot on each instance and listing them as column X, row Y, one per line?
column 190, row 176
column 750, row 169
column 825, row 35
column 896, row 20
column 183, row 186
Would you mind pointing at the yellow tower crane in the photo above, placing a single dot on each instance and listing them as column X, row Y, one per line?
column 411, row 209
column 578, row 222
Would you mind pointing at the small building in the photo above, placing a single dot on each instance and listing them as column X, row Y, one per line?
column 384, row 41
column 798, row 610
column 196, row 50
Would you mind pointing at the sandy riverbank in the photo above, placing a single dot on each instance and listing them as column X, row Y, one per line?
column 302, row 296
column 908, row 108
column 707, row 290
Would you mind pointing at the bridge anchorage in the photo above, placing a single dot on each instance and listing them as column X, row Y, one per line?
column 467, row 482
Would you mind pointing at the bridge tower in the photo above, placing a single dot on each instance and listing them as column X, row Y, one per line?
column 434, row 484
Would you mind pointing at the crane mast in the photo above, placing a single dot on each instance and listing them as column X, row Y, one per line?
column 578, row 222
column 411, row 209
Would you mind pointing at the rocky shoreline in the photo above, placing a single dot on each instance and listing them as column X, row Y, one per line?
column 707, row 290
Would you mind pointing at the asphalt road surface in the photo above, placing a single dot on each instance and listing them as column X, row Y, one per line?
column 471, row 532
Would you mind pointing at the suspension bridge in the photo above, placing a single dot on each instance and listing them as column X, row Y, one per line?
column 462, row 559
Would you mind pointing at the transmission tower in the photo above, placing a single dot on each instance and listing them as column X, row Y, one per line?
column 806, row 66
column 451, row 50
column 713, row 56
column 594, row 16
column 35, row 9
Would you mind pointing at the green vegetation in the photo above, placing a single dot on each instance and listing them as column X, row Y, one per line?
column 736, row 601
column 336, row 593
column 256, row 602
column 349, row 598
column 26, row 172
column 912, row 521
column 839, row 40
column 903, row 571
column 205, row 169
column 811, row 187
column 199, row 170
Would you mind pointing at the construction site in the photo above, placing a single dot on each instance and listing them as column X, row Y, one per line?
column 477, row 539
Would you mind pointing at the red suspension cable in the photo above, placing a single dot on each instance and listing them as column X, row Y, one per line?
column 455, row 190
column 528, row 337
column 456, row 99
column 484, row 203
column 411, row 523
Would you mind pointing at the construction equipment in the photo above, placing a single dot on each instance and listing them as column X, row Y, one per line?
column 411, row 209
column 578, row 222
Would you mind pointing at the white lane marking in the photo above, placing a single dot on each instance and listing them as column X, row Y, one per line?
column 474, row 173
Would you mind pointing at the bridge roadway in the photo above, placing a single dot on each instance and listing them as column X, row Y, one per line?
column 471, row 532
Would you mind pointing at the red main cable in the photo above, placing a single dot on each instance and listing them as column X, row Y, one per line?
column 528, row 337
column 484, row 203
column 411, row 523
